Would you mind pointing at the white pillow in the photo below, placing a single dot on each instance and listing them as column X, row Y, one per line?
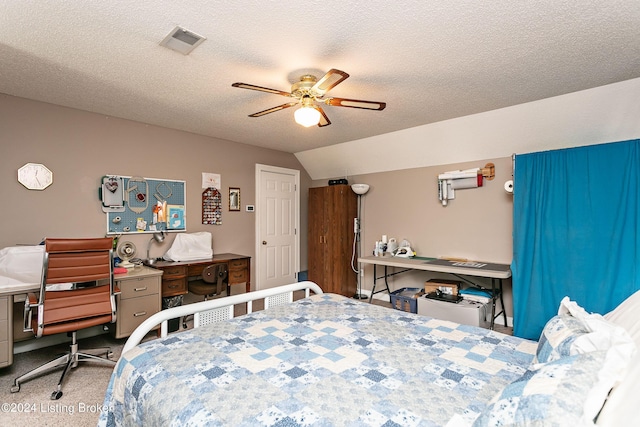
column 603, row 335
column 627, row 315
column 621, row 407
column 622, row 404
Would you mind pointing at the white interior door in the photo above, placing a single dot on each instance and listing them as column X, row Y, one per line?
column 277, row 223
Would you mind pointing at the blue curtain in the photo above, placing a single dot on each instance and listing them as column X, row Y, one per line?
column 576, row 231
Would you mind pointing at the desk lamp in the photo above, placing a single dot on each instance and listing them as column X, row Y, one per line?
column 158, row 237
column 360, row 190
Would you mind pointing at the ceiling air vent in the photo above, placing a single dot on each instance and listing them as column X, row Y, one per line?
column 182, row 40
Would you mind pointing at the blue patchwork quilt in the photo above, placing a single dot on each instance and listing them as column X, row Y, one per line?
column 322, row 361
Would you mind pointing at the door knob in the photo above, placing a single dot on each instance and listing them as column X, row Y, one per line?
column 264, row 242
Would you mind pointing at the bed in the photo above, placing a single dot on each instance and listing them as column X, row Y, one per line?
column 327, row 360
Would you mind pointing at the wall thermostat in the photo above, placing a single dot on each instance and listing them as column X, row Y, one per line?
column 250, row 208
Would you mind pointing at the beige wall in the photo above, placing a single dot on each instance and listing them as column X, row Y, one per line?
column 80, row 147
column 476, row 225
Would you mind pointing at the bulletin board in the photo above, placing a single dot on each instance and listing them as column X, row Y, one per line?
column 148, row 205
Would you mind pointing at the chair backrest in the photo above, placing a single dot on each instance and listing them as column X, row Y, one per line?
column 83, row 270
column 211, row 273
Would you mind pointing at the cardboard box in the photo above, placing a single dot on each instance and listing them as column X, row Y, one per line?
column 450, row 287
column 465, row 312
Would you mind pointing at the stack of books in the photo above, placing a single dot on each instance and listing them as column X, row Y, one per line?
column 476, row 294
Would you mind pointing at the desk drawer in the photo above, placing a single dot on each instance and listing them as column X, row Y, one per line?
column 4, row 330
column 133, row 288
column 5, row 353
column 4, row 308
column 196, row 270
column 237, row 276
column 238, row 264
column 172, row 287
column 134, row 312
column 174, row 271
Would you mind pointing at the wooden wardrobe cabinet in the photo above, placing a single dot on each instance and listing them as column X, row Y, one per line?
column 332, row 210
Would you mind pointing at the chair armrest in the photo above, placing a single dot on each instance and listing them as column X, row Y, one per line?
column 29, row 304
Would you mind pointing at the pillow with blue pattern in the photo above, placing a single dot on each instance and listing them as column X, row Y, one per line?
column 555, row 393
column 558, row 338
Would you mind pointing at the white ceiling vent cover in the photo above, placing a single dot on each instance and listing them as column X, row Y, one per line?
column 182, row 40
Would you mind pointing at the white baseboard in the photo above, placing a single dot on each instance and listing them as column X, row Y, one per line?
column 382, row 296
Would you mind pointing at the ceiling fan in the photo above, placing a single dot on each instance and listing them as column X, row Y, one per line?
column 309, row 92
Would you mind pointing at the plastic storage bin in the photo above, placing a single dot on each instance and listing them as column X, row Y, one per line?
column 406, row 299
column 465, row 312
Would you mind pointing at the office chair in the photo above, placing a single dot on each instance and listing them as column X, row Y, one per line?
column 76, row 292
column 214, row 278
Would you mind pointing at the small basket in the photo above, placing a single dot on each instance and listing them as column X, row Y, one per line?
column 406, row 299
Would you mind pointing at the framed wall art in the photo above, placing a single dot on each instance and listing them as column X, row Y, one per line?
column 234, row 199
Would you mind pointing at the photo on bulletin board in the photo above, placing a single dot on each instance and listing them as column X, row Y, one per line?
column 234, row 199
column 146, row 205
column 175, row 217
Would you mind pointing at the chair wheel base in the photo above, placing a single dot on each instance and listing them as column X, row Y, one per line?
column 15, row 388
column 56, row 395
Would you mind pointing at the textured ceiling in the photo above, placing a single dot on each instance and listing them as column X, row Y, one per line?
column 429, row 61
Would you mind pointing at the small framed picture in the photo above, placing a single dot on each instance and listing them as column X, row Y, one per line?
column 234, row 199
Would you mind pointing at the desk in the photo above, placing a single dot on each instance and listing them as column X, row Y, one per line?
column 177, row 273
column 496, row 272
column 139, row 298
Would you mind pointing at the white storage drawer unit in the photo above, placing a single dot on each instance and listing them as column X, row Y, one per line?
column 465, row 312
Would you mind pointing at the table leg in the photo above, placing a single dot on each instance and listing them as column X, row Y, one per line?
column 373, row 289
column 493, row 302
column 375, row 279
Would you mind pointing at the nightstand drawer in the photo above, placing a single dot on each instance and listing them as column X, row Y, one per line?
column 134, row 288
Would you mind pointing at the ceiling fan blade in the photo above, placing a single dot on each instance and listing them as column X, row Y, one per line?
column 330, row 80
column 273, row 110
column 261, row 89
column 324, row 120
column 356, row 103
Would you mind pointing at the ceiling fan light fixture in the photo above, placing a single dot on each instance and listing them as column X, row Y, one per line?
column 307, row 116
